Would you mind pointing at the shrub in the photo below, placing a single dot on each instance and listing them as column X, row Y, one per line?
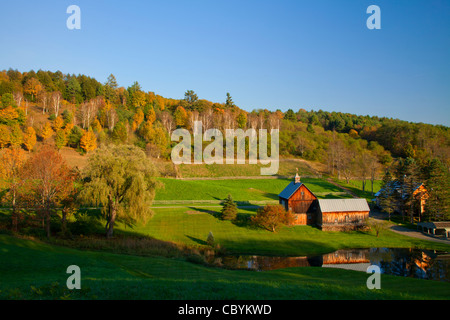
column 84, row 224
column 271, row 217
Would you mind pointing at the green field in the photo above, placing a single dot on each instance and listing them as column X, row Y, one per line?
column 33, row 270
column 240, row 190
column 287, row 167
column 191, row 225
column 155, row 260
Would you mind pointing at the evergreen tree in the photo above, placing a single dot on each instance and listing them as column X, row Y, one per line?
column 210, row 240
column 387, row 197
column 438, row 185
column 408, row 173
column 290, row 115
column 229, row 209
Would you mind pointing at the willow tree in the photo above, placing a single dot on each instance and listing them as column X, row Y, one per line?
column 121, row 180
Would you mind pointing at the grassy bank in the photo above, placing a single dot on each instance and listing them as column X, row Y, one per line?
column 33, row 270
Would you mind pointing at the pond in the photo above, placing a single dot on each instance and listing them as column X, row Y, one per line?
column 423, row 264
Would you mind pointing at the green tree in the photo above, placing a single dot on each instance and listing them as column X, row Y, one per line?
column 437, row 205
column 387, row 196
column 229, row 102
column 60, row 139
column 73, row 90
column 120, row 132
column 290, row 115
column 229, row 209
column 210, row 239
column 190, row 99
column 242, row 120
column 121, row 179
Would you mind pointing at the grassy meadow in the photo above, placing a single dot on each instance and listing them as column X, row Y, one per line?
column 162, row 258
column 34, row 270
column 240, row 189
column 190, row 225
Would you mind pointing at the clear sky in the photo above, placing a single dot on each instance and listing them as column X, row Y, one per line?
column 282, row 54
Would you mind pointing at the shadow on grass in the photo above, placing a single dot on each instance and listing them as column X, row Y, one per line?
column 242, row 219
column 197, row 240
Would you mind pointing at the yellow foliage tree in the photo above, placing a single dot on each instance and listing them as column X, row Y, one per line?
column 68, row 128
column 5, row 136
column 180, row 116
column 137, row 119
column 88, row 141
column 29, row 138
column 96, row 126
column 146, row 131
column 47, row 131
column 8, row 115
column 58, row 123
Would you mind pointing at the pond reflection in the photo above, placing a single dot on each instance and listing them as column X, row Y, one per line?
column 423, row 264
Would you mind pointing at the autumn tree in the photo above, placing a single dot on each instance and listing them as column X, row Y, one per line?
column 10, row 115
column 11, row 163
column 33, row 87
column 180, row 116
column 120, row 178
column 49, row 181
column 29, row 138
column 137, row 119
column 47, row 131
column 271, row 217
column 16, row 136
column 5, row 136
column 88, row 141
column 58, row 123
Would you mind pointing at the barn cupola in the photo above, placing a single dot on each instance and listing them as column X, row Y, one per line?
column 297, row 178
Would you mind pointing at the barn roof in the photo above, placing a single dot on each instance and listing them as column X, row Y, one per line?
column 343, row 205
column 290, row 190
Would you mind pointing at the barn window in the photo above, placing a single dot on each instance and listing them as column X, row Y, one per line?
column 335, row 220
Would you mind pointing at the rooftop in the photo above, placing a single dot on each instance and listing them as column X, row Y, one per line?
column 343, row 205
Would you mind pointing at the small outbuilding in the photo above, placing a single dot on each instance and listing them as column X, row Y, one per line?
column 435, row 228
column 342, row 214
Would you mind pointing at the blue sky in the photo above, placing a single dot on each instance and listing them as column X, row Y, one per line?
column 312, row 54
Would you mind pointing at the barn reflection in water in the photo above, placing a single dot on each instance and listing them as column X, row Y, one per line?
column 423, row 264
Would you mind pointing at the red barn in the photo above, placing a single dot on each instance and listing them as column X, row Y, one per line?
column 297, row 198
column 327, row 214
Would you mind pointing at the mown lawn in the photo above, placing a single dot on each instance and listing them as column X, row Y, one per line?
column 191, row 225
column 33, row 270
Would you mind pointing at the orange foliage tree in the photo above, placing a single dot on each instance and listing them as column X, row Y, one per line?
column 11, row 163
column 29, row 138
column 271, row 217
column 49, row 181
column 5, row 136
column 88, row 141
